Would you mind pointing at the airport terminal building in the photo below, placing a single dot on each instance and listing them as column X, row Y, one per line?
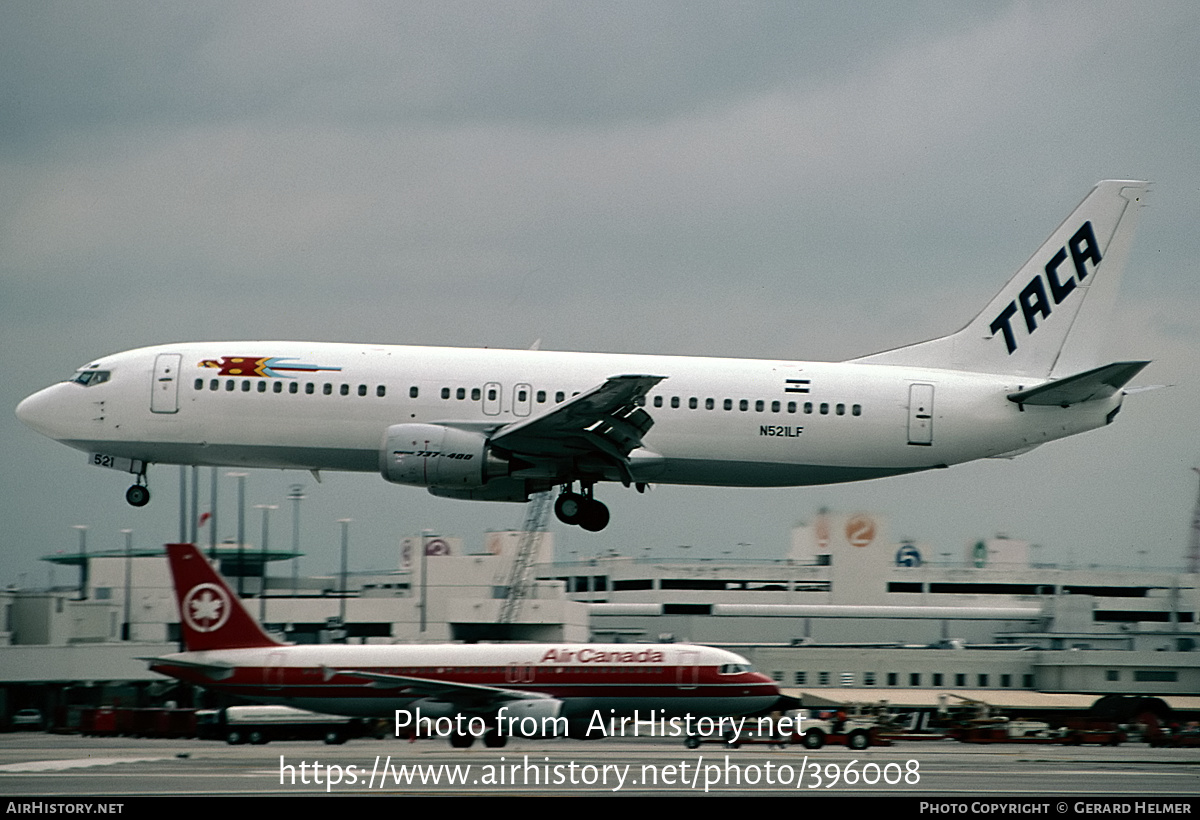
column 846, row 615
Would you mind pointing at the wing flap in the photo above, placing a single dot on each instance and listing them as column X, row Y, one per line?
column 607, row 421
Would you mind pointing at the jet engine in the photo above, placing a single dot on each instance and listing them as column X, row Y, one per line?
column 498, row 489
column 533, row 707
column 434, row 455
column 532, row 717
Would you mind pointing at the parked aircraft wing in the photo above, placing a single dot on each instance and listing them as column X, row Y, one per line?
column 447, row 690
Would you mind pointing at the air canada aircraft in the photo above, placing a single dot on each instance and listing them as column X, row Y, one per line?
column 499, row 425
column 508, row 689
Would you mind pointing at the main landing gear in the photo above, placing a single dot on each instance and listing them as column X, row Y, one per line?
column 581, row 509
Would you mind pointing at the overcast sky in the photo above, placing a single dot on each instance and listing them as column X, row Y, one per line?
column 779, row 180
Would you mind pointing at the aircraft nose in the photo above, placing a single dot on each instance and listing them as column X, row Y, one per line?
column 37, row 411
column 767, row 680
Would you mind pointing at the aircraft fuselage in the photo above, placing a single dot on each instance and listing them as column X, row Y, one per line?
column 498, row 425
column 726, row 422
column 582, row 678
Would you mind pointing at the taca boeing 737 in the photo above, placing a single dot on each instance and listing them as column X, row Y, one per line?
column 502, row 687
column 499, row 425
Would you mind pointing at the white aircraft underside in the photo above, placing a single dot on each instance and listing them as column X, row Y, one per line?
column 501, row 424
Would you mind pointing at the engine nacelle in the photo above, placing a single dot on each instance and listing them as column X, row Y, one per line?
column 426, row 708
column 433, row 455
column 498, row 489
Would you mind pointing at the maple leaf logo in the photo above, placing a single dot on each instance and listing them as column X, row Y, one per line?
column 206, row 608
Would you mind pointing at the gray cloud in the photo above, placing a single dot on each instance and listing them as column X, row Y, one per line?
column 754, row 179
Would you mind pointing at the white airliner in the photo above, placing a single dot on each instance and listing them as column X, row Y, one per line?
column 504, row 687
column 499, row 425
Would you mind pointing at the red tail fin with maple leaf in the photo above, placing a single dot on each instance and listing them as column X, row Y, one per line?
column 210, row 614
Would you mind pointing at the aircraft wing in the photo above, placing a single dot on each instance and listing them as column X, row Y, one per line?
column 445, row 690
column 607, row 422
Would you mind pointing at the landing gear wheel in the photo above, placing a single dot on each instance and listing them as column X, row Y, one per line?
column 495, row 740
column 569, row 507
column 138, row 495
column 594, row 516
column 461, row 741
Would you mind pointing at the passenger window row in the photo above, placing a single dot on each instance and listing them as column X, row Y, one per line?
column 540, row 396
column 293, row 387
column 760, row 406
column 493, row 394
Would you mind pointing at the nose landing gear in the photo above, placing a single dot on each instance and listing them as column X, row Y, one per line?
column 581, row 509
column 139, row 494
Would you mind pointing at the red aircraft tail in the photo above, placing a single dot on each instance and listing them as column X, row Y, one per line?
column 210, row 614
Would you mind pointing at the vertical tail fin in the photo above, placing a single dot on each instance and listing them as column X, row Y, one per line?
column 210, row 614
column 1062, row 295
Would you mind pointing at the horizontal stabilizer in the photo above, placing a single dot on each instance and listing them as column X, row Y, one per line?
column 215, row 671
column 1090, row 385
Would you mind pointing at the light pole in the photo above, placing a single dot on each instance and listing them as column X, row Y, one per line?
column 345, row 522
column 212, row 517
column 83, row 560
column 183, row 511
column 127, row 627
column 193, row 527
column 241, row 531
column 262, row 580
column 296, row 496
column 424, row 588
column 1192, row 557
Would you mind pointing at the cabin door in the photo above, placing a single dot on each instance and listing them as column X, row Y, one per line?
column 273, row 671
column 687, row 674
column 491, row 399
column 522, row 399
column 165, row 395
column 920, row 414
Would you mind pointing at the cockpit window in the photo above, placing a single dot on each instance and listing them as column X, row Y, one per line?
column 735, row 668
column 90, row 377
